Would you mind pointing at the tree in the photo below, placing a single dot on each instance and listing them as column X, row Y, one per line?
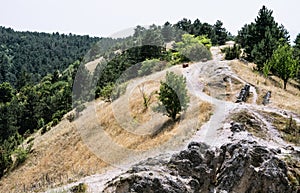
column 221, row 33
column 6, row 92
column 192, row 47
column 260, row 38
column 283, row 64
column 147, row 67
column 167, row 32
column 297, row 52
column 173, row 95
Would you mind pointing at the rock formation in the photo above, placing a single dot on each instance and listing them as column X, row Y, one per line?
column 238, row 167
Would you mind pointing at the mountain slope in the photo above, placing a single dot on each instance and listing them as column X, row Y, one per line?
column 248, row 130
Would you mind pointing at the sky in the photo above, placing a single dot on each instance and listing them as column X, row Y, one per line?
column 104, row 18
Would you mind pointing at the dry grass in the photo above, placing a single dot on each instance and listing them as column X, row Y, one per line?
column 67, row 152
column 59, row 156
column 205, row 111
column 250, row 123
column 289, row 130
column 285, row 99
column 138, row 111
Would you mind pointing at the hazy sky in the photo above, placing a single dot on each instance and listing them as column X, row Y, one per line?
column 103, row 18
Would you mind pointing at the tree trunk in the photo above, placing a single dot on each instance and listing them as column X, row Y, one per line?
column 284, row 84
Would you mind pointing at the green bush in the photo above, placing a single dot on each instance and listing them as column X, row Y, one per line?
column 21, row 154
column 106, row 91
column 55, row 122
column 46, row 128
column 193, row 48
column 80, row 188
column 232, row 52
column 150, row 66
column 71, row 117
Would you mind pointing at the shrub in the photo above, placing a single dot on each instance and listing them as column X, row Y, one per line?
column 80, row 188
column 71, row 117
column 55, row 122
column 106, row 91
column 46, row 128
column 150, row 66
column 21, row 154
column 232, row 52
column 192, row 48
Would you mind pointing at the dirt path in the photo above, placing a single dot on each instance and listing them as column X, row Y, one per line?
column 215, row 132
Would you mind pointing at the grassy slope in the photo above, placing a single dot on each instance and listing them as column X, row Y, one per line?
column 61, row 156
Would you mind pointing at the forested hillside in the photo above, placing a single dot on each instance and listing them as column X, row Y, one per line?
column 29, row 56
column 38, row 70
column 41, row 76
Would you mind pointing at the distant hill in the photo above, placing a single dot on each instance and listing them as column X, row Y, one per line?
column 32, row 55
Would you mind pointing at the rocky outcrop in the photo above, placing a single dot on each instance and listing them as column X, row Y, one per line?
column 234, row 168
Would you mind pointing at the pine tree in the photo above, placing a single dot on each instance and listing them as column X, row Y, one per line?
column 173, row 95
column 261, row 37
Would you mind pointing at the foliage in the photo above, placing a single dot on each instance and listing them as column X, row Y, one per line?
column 173, row 95
column 146, row 98
column 192, row 48
column 8, row 147
column 220, row 32
column 80, row 188
column 282, row 64
column 21, row 154
column 150, row 66
column 260, row 38
column 232, row 52
column 297, row 52
column 6, row 92
column 29, row 56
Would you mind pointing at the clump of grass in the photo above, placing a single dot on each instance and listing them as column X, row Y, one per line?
column 205, row 111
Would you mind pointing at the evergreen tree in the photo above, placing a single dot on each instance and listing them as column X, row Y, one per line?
column 261, row 37
column 173, row 95
column 220, row 32
column 167, row 32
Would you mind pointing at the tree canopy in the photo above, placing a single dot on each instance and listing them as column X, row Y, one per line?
column 283, row 64
column 260, row 38
column 173, row 95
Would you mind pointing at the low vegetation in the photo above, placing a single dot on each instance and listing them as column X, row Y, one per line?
column 250, row 123
column 80, row 188
column 233, row 52
column 288, row 127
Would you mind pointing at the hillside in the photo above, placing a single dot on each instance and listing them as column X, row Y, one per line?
column 68, row 151
column 85, row 154
column 172, row 108
column 29, row 56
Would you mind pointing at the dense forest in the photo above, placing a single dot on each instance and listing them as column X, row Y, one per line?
column 41, row 76
column 29, row 56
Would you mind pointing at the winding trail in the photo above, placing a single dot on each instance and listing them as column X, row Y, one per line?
column 216, row 131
